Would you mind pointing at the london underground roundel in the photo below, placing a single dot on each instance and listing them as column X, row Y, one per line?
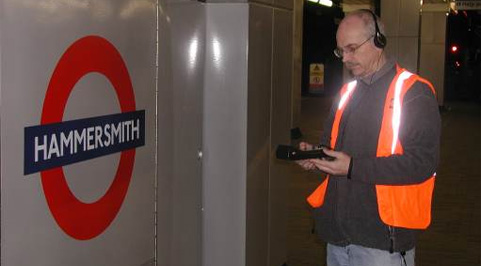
column 89, row 54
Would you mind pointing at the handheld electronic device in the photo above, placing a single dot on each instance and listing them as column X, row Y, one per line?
column 286, row 152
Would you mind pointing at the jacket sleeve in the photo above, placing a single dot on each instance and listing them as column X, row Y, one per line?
column 419, row 134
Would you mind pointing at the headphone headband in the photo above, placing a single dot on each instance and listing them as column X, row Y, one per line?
column 379, row 38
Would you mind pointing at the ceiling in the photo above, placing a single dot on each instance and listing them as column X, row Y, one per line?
column 371, row 2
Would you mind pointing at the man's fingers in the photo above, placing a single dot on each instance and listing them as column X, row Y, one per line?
column 332, row 153
column 306, row 164
column 321, row 164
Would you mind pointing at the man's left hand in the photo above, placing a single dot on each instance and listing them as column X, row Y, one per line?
column 339, row 166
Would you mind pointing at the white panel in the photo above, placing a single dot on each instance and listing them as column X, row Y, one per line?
column 266, row 2
column 409, row 18
column 258, row 133
column 392, row 47
column 352, row 7
column 408, row 53
column 439, row 28
column 428, row 29
column 226, row 1
column 225, row 135
column 432, row 67
column 289, row 4
column 280, row 134
column 297, row 64
column 34, row 36
column 432, row 52
column 436, row 7
column 390, row 16
column 181, row 70
column 165, row 143
column 2, row 8
column 401, row 19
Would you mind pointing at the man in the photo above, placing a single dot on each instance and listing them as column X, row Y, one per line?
column 384, row 132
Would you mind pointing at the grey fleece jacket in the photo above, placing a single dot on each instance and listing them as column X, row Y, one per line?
column 349, row 214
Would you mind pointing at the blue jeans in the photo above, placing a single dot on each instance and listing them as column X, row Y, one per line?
column 354, row 255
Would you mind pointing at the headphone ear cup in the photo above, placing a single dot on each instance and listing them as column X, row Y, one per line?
column 380, row 40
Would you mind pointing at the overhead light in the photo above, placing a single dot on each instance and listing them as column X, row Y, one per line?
column 322, row 2
column 326, row 2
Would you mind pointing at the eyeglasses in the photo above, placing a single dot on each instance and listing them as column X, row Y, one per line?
column 351, row 49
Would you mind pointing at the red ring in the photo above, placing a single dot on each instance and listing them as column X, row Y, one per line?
column 81, row 220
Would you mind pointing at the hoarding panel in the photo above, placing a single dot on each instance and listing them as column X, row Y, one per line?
column 181, row 81
column 93, row 211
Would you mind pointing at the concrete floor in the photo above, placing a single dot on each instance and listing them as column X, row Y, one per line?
column 453, row 239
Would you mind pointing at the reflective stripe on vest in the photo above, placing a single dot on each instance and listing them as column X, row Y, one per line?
column 316, row 199
column 407, row 206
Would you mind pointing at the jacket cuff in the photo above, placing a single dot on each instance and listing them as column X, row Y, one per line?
column 350, row 168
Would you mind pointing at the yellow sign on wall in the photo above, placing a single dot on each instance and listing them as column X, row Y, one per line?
column 316, row 77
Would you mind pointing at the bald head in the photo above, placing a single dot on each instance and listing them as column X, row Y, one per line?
column 366, row 19
column 355, row 42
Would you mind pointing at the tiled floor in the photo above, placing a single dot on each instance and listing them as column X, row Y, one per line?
column 453, row 238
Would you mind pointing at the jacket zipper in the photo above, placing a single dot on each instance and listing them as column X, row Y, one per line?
column 391, row 239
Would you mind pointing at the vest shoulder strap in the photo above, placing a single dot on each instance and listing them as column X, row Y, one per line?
column 345, row 95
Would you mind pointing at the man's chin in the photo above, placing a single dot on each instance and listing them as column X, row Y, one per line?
column 356, row 72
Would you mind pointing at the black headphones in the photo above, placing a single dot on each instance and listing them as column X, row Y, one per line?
column 379, row 38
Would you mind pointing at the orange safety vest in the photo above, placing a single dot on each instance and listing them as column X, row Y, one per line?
column 407, row 206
